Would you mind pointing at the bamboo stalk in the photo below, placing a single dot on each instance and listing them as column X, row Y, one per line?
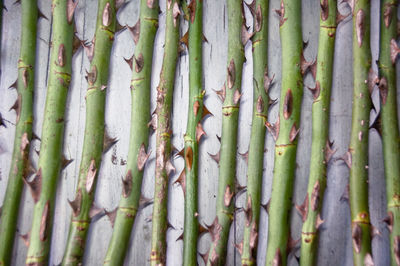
column 189, row 177
column 230, row 95
column 321, row 148
column 94, row 132
column 163, row 133
column 285, row 132
column 261, row 86
column 43, row 186
column 20, row 165
column 390, row 131
column 144, row 33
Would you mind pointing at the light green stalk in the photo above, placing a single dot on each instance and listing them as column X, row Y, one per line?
column 230, row 95
column 189, row 178
column 140, row 116
column 23, row 133
column 44, row 185
column 94, row 132
column 390, row 131
column 286, row 131
column 165, row 91
column 357, row 156
column 321, row 150
column 257, row 139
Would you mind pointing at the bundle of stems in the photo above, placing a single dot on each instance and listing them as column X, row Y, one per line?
column 43, row 186
column 20, row 165
column 389, row 122
column 261, row 84
column 285, row 132
column 97, row 77
column 189, row 177
column 321, row 150
column 163, row 133
column 144, row 33
column 230, row 96
column 357, row 156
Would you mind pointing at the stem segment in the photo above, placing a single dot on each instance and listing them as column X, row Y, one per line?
column 94, row 132
column 23, row 133
column 230, row 95
column 286, row 131
column 189, row 178
column 140, row 116
column 257, row 140
column 163, row 133
column 321, row 150
column 390, row 131
column 43, row 186
column 357, row 156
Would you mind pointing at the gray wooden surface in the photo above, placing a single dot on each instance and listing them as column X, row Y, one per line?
column 335, row 241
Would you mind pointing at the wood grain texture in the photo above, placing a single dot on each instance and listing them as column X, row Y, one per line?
column 335, row 238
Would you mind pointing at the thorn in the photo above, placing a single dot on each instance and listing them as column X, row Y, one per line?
column 108, row 142
column 236, row 97
column 185, row 39
column 239, row 248
column 127, row 184
column 303, row 209
column 2, row 121
column 135, row 30
column 246, row 36
column 345, row 195
column 291, row 244
column 179, row 238
column 206, row 112
column 182, row 181
column 199, row 132
column 91, row 175
column 65, row 162
column 35, row 185
column 111, row 216
column 215, row 157
column 95, row 210
column 143, row 201
column 142, row 157
column 221, row 93
column 274, row 129
column 205, row 256
column 14, row 85
column 25, row 238
column 76, row 203
column 41, row 15
column 329, row 152
column 219, row 138
column 389, row 220
column 293, row 132
column 356, row 234
column 319, row 222
column 71, row 5
column 245, row 156
column 169, row 167
column 347, row 159
column 228, row 196
column 188, row 158
column 375, row 232
column 316, row 90
column 231, row 75
column 368, row 261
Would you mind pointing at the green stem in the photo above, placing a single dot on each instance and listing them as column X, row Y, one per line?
column 357, row 156
column 163, row 133
column 390, row 131
column 321, row 150
column 286, row 130
column 45, row 182
column 257, row 139
column 94, row 132
column 140, row 116
column 23, row 133
column 191, row 154
column 230, row 110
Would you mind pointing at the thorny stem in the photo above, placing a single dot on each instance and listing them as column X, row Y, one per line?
column 20, row 165
column 287, row 128
column 357, row 155
column 321, row 150
column 97, row 78
column 189, row 177
column 45, row 182
column 144, row 33
column 230, row 95
column 261, row 86
column 390, row 131
column 163, row 133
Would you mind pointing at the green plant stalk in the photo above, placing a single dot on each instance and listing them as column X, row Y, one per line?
column 287, row 129
column 23, row 132
column 389, row 119
column 320, row 147
column 44, row 185
column 94, row 133
column 258, row 129
column 191, row 153
column 140, row 116
column 357, row 156
column 163, row 133
column 230, row 111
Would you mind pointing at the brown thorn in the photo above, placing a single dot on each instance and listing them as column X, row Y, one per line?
column 356, row 234
column 383, row 90
column 94, row 210
column 389, row 220
column 182, row 181
column 319, row 222
column 65, row 162
column 192, row 10
column 375, row 231
column 139, row 63
column 273, row 129
column 107, row 15
column 14, row 85
column 71, row 5
column 329, row 152
column 44, row 222
column 108, row 142
column 228, row 196
column 239, row 247
column 189, row 158
column 303, row 209
column 249, row 211
column 17, row 106
column 111, row 216
column 315, row 196
column 245, row 156
column 324, row 10
column 231, row 75
column 35, row 185
column 127, row 184
column 345, row 195
column 199, row 132
column 394, row 50
column 316, row 90
column 135, row 30
column 169, row 167
column 368, row 261
column 236, row 97
column 215, row 157
column 175, row 13
column 91, row 174
column 142, row 157
column 76, row 203
column 25, row 238
column 246, row 36
column 360, row 26
column 288, row 104
column 129, row 61
column 293, row 132
column 180, row 237
column 221, row 93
